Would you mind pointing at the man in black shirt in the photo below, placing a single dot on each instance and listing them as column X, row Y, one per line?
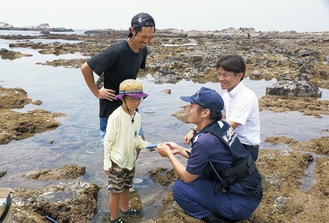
column 120, row 61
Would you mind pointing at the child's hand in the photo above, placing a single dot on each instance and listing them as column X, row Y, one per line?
column 108, row 172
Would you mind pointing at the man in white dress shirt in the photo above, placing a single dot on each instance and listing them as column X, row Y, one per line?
column 241, row 103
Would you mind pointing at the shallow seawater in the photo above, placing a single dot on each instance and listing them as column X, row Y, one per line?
column 76, row 140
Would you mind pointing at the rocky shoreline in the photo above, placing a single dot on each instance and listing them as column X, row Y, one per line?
column 299, row 62
column 44, row 27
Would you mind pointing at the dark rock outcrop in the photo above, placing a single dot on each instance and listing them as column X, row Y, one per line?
column 300, row 87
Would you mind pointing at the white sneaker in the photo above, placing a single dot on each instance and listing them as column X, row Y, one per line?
column 137, row 180
column 131, row 189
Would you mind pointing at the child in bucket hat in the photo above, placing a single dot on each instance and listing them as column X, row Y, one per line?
column 131, row 88
column 122, row 146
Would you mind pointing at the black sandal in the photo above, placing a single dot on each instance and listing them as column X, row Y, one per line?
column 117, row 220
column 132, row 213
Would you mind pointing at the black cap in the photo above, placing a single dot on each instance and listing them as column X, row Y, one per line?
column 142, row 19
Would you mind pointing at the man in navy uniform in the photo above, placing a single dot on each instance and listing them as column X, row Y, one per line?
column 220, row 181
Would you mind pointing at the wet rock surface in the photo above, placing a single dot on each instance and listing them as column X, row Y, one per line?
column 17, row 125
column 300, row 87
column 11, row 55
column 177, row 54
column 318, row 146
column 65, row 202
column 305, row 105
column 65, row 172
column 163, row 176
column 299, row 61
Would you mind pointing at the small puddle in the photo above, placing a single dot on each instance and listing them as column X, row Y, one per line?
column 308, row 181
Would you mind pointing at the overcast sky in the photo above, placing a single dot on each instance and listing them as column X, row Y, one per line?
column 262, row 15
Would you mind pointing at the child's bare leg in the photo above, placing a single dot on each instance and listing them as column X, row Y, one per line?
column 125, row 200
column 114, row 205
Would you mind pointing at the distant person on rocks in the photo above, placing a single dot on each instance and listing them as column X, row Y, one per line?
column 241, row 103
column 220, row 182
column 122, row 146
column 120, row 61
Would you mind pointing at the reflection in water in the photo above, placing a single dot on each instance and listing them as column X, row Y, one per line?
column 58, row 196
column 76, row 140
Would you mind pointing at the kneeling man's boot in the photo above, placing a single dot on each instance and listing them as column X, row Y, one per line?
column 212, row 218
